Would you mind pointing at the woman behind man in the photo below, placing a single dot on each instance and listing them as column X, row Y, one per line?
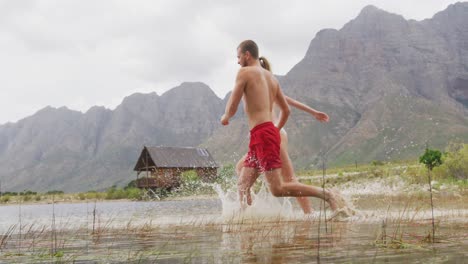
column 287, row 170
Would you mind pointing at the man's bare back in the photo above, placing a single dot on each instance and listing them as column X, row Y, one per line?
column 260, row 91
column 260, row 85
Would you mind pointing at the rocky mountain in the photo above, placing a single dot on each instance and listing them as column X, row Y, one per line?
column 390, row 86
column 67, row 150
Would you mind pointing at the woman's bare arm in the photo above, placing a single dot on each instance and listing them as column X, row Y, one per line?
column 320, row 116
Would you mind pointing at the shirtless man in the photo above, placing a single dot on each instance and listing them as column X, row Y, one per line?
column 287, row 170
column 261, row 91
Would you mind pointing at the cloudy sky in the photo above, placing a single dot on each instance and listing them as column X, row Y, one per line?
column 83, row 53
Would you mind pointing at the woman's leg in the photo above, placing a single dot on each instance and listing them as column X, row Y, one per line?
column 287, row 173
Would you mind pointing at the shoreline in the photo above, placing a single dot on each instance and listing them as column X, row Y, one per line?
column 78, row 201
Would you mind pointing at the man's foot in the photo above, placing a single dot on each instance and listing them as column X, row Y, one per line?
column 341, row 214
column 336, row 201
column 245, row 197
column 249, row 197
column 341, row 209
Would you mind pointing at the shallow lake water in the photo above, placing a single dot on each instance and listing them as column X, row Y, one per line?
column 386, row 229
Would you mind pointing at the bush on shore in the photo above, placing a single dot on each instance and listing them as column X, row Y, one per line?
column 5, row 199
column 132, row 193
column 455, row 163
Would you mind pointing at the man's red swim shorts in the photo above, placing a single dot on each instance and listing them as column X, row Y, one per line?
column 264, row 148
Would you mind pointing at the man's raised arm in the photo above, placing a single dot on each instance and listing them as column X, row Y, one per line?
column 234, row 99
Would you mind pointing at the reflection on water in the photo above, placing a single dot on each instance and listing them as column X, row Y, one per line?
column 78, row 214
column 387, row 229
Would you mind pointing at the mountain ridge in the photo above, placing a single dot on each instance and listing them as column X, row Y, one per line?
column 388, row 84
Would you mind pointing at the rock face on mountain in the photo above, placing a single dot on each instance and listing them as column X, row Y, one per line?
column 401, row 82
column 67, row 150
column 390, row 86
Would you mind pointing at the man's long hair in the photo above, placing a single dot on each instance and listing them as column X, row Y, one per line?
column 252, row 48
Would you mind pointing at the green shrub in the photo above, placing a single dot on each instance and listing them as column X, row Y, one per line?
column 28, row 192
column 376, row 172
column 227, row 176
column 455, row 162
column 131, row 184
column 189, row 176
column 134, row 194
column 95, row 195
column 10, row 193
column 415, row 175
column 91, row 195
column 160, row 192
column 191, row 185
column 227, row 172
column 190, row 188
column 377, row 163
column 82, row 196
column 431, row 158
column 115, row 193
column 54, row 192
column 26, row 198
column 5, row 199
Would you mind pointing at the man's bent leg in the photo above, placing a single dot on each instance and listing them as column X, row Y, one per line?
column 240, row 165
column 247, row 178
column 295, row 189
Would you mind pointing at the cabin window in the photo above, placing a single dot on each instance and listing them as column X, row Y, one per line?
column 202, row 152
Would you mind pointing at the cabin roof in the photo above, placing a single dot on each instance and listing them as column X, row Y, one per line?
column 175, row 157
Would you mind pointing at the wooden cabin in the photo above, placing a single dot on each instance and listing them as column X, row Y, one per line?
column 161, row 167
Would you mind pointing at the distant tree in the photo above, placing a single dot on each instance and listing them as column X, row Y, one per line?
column 377, row 163
column 54, row 192
column 431, row 158
column 131, row 184
column 28, row 192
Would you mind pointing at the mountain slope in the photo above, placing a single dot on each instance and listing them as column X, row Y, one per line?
column 67, row 150
column 390, row 86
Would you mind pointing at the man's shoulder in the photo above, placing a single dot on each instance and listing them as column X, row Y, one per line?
column 248, row 69
column 247, row 72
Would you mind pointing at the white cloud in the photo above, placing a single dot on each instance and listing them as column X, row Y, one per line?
column 85, row 53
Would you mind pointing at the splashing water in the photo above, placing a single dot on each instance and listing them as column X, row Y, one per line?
column 264, row 206
column 267, row 207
